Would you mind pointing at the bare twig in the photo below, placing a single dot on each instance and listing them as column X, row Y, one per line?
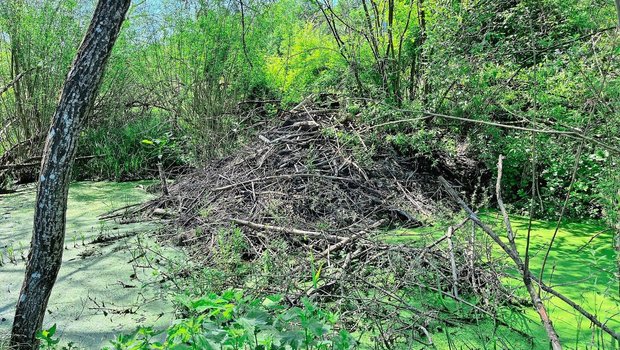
column 527, row 278
column 34, row 164
column 500, row 203
column 571, row 134
column 455, row 276
column 162, row 179
column 517, row 260
column 15, row 80
column 287, row 230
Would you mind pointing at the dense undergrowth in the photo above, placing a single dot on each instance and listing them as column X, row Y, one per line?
column 232, row 321
column 210, row 315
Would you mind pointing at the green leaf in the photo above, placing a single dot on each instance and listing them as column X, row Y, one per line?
column 52, row 331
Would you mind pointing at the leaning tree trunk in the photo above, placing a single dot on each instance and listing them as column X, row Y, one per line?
column 78, row 93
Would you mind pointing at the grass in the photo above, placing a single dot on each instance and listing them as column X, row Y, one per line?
column 581, row 266
column 121, row 154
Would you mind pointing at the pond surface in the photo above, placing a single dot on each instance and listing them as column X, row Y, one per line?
column 581, row 266
column 102, row 288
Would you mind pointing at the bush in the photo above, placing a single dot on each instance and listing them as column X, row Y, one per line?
column 232, row 321
column 121, row 153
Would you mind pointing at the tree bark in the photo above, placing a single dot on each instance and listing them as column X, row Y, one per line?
column 618, row 12
column 77, row 96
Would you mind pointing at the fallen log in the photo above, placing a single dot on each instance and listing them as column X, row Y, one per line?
column 292, row 231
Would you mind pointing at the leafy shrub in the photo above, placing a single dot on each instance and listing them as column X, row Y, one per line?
column 306, row 61
column 232, row 321
column 46, row 337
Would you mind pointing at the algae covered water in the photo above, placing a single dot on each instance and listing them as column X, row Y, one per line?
column 108, row 280
column 581, row 266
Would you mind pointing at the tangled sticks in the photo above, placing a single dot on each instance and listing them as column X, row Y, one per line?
column 309, row 179
column 301, row 173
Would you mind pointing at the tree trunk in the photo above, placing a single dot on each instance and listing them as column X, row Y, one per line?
column 618, row 11
column 77, row 96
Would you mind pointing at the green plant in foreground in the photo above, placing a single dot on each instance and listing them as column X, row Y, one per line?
column 232, row 321
column 48, row 342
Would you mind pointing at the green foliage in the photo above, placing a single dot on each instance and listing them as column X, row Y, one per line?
column 48, row 342
column 542, row 65
column 46, row 336
column 232, row 321
column 179, row 71
column 307, row 61
column 538, row 64
column 121, row 153
column 38, row 39
column 420, row 143
column 231, row 245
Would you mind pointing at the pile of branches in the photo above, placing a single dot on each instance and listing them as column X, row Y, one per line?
column 306, row 207
column 299, row 173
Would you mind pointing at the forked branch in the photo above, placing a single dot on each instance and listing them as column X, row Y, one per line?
column 514, row 255
column 517, row 260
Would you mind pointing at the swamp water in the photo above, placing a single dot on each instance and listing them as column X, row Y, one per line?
column 103, row 288
column 581, row 266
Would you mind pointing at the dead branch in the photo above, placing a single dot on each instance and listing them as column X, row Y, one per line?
column 517, row 260
column 500, row 203
column 348, row 240
column 15, row 80
column 455, row 277
column 514, row 255
column 292, row 231
column 33, row 164
column 275, row 177
column 572, row 134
